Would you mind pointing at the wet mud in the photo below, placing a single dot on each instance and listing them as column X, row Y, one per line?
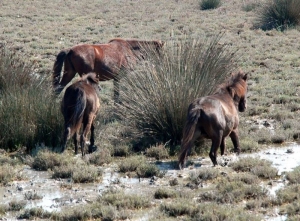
column 57, row 194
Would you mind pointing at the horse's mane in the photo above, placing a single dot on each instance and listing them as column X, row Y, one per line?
column 233, row 82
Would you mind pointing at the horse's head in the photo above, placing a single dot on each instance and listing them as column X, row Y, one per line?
column 238, row 90
column 93, row 80
column 158, row 45
column 142, row 48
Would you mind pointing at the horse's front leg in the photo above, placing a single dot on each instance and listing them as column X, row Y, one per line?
column 235, row 140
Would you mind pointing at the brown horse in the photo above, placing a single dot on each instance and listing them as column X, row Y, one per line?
column 80, row 106
column 215, row 117
column 105, row 60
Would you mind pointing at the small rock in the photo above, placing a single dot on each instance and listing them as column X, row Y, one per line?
column 20, row 188
column 290, row 151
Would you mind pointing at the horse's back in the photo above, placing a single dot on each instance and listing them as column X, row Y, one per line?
column 216, row 114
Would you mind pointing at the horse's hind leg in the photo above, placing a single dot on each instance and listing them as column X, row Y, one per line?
column 65, row 138
column 235, row 140
column 75, row 139
column 223, row 147
column 186, row 148
column 92, row 147
column 85, row 131
column 92, row 139
column 216, row 142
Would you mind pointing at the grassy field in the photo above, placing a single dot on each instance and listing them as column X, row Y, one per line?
column 37, row 30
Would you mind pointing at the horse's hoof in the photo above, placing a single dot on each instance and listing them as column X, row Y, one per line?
column 180, row 166
column 92, row 148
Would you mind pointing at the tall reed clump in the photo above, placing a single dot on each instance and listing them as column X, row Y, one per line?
column 278, row 14
column 156, row 95
column 28, row 113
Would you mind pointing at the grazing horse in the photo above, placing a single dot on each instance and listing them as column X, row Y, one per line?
column 106, row 60
column 80, row 106
column 215, row 117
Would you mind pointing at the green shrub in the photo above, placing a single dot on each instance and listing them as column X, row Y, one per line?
column 3, row 209
column 46, row 160
column 158, row 152
column 131, row 164
column 204, row 173
column 209, row 4
column 293, row 210
column 100, row 157
column 34, row 213
column 155, row 97
column 121, row 150
column 16, row 205
column 180, row 207
column 279, row 14
column 163, row 193
column 83, row 173
column 124, row 201
column 259, row 167
column 294, row 176
column 288, row 194
column 8, row 173
column 147, row 170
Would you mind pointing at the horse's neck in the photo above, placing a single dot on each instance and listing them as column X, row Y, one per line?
column 138, row 43
column 223, row 94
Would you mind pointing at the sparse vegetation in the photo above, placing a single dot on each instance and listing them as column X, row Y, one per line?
column 261, row 168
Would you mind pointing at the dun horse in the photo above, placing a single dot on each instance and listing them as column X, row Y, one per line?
column 80, row 106
column 106, row 60
column 215, row 117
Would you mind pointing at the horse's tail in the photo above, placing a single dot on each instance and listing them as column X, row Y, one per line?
column 76, row 110
column 79, row 109
column 188, row 134
column 60, row 58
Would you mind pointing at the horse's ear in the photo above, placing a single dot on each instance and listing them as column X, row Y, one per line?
column 162, row 43
column 93, row 77
column 245, row 77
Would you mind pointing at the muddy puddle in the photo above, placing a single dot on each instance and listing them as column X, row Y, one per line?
column 39, row 190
